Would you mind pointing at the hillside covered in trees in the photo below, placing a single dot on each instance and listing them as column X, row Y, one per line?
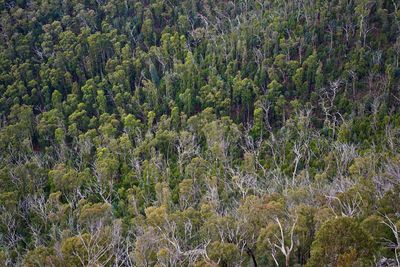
column 200, row 133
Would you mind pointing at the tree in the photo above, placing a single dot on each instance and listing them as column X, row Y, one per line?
column 67, row 180
column 99, row 247
column 393, row 244
column 278, row 237
column 226, row 254
column 199, row 133
column 341, row 239
column 41, row 256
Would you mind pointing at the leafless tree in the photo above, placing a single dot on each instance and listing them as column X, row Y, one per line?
column 187, row 148
column 101, row 245
column 245, row 182
column 349, row 207
column 343, row 155
column 395, row 245
column 11, row 236
column 327, row 100
column 102, row 186
column 280, row 243
column 298, row 156
column 253, row 147
column 331, row 30
column 392, row 135
column 266, row 106
column 178, row 251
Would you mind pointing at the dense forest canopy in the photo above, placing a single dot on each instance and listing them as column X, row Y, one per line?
column 200, row 133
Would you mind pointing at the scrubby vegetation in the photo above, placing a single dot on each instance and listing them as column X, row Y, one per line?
column 199, row 133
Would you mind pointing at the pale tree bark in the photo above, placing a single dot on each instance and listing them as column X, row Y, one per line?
column 281, row 244
column 395, row 245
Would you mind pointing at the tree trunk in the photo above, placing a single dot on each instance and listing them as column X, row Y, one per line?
column 250, row 252
column 287, row 260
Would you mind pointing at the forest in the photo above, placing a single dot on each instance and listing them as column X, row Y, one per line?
column 200, row 133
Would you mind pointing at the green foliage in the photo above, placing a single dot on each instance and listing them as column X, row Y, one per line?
column 179, row 133
column 341, row 240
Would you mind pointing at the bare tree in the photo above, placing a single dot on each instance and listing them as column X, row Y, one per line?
column 298, row 156
column 253, row 147
column 100, row 245
column 245, row 182
column 327, row 101
column 281, row 244
column 11, row 237
column 343, row 155
column 187, row 148
column 349, row 207
column 395, row 245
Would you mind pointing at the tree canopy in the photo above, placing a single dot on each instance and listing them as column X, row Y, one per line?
column 199, row 133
